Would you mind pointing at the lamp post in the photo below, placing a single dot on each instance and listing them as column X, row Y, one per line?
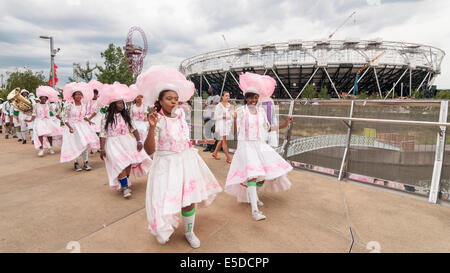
column 52, row 57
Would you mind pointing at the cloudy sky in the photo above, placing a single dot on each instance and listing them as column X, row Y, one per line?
column 179, row 29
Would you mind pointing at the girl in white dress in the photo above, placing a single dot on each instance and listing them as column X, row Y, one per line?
column 179, row 178
column 78, row 134
column 43, row 126
column 122, row 153
column 93, row 107
column 138, row 112
column 224, row 121
column 255, row 163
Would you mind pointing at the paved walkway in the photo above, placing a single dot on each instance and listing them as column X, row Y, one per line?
column 44, row 205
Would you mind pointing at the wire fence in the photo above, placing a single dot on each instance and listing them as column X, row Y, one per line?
column 394, row 144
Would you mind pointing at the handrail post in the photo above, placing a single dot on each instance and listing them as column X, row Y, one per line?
column 288, row 133
column 344, row 162
column 439, row 156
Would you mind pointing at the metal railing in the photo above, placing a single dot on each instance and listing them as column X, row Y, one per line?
column 395, row 144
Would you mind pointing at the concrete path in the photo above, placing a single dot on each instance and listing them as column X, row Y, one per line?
column 44, row 205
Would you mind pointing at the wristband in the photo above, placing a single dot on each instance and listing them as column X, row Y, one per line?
column 139, row 141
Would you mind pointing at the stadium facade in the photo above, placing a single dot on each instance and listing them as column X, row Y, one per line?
column 400, row 67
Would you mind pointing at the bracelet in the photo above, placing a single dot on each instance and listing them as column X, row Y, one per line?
column 139, row 141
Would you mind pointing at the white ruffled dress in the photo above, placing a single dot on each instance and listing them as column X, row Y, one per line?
column 83, row 137
column 121, row 151
column 254, row 158
column 139, row 117
column 44, row 126
column 178, row 177
column 223, row 126
column 94, row 107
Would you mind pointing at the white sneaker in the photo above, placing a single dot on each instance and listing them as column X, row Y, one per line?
column 160, row 240
column 192, row 239
column 41, row 153
column 126, row 192
column 257, row 215
column 50, row 151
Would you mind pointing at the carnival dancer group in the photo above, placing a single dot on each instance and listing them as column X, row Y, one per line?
column 152, row 138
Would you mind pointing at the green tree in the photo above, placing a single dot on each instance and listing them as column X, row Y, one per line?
column 417, row 94
column 81, row 73
column 375, row 96
column 3, row 94
column 25, row 80
column 310, row 92
column 443, row 95
column 363, row 95
column 115, row 68
column 323, row 94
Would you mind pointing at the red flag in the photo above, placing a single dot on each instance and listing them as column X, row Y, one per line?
column 56, row 76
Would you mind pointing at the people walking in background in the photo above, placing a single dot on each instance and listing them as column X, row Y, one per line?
column 255, row 163
column 93, row 107
column 210, row 106
column 2, row 116
column 25, row 127
column 7, row 115
column 78, row 134
column 138, row 113
column 224, row 121
column 179, row 178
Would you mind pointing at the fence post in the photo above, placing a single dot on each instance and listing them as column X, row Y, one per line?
column 347, row 146
column 439, row 156
column 287, row 138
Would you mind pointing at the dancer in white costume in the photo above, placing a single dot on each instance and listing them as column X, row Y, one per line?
column 93, row 106
column 179, row 178
column 43, row 124
column 138, row 113
column 122, row 153
column 255, row 162
column 78, row 134
column 224, row 121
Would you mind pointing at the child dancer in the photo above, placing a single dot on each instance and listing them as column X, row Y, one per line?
column 122, row 153
column 93, row 107
column 139, row 114
column 78, row 135
column 178, row 178
column 43, row 124
column 255, row 162
column 224, row 120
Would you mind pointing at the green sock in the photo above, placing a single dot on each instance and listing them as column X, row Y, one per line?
column 188, row 220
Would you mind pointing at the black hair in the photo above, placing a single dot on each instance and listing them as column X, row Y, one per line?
column 73, row 94
column 111, row 118
column 95, row 92
column 248, row 95
column 160, row 97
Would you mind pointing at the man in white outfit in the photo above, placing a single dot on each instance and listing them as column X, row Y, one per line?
column 210, row 108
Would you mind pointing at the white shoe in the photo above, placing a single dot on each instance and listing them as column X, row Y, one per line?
column 50, row 151
column 257, row 215
column 260, row 203
column 192, row 239
column 126, row 192
column 160, row 240
column 41, row 153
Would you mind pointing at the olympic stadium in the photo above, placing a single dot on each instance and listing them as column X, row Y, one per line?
column 389, row 67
